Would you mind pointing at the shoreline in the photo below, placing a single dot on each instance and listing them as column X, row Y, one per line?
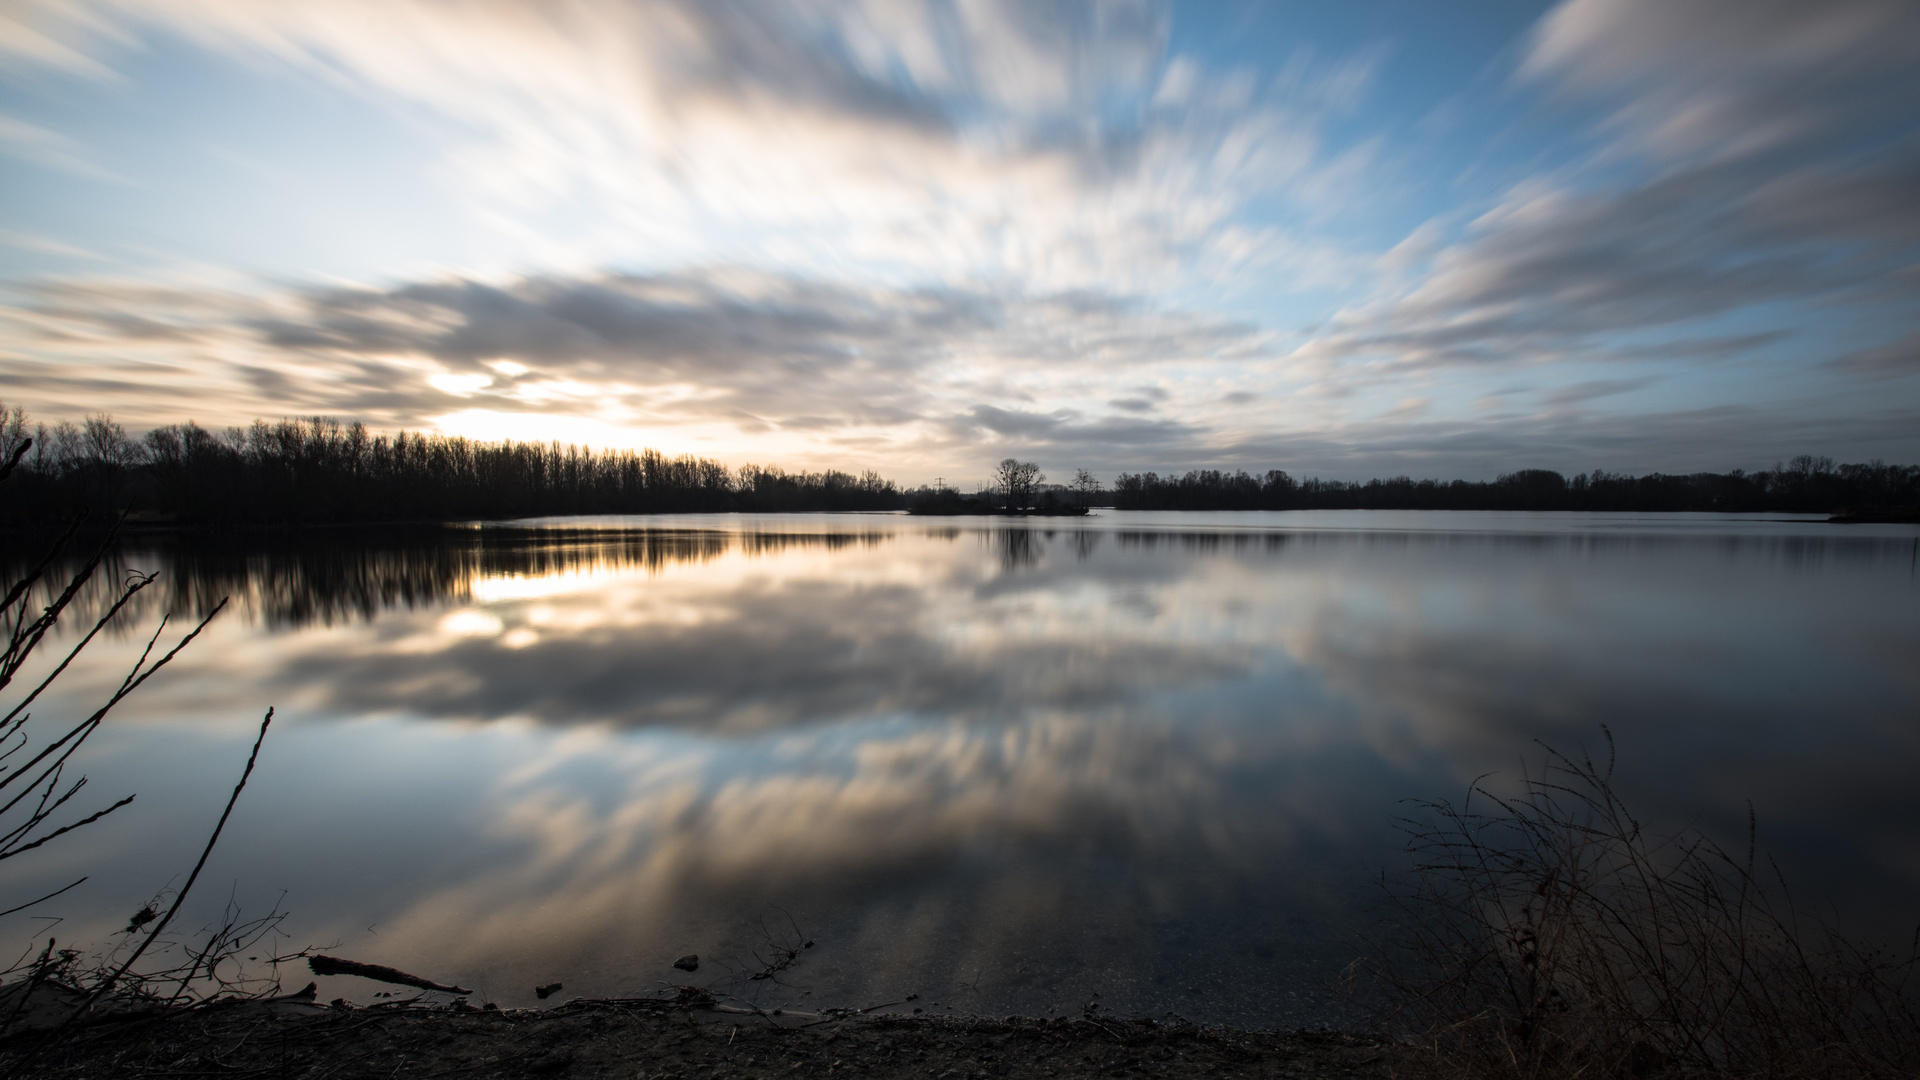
column 656, row 1039
column 41, row 532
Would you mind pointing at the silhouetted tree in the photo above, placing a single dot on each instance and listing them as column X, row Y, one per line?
column 1084, row 485
column 1017, row 479
column 318, row 469
column 1803, row 485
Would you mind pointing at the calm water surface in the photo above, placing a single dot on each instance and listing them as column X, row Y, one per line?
column 1146, row 759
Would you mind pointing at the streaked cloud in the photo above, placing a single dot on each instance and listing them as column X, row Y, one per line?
column 753, row 353
column 925, row 234
column 1059, row 143
column 1747, row 160
column 49, row 149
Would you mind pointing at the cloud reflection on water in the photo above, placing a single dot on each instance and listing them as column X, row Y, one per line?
column 1146, row 762
column 1011, row 848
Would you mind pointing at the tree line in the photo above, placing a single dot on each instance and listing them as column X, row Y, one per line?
column 321, row 470
column 1805, row 484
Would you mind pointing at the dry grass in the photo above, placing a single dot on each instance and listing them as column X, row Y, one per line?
column 1548, row 935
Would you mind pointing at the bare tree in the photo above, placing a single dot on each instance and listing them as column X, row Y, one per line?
column 1017, row 478
column 1086, row 485
column 13, row 431
column 104, row 442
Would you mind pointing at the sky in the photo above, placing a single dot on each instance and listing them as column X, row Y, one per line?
column 918, row 236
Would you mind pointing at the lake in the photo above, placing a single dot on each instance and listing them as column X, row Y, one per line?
column 1147, row 760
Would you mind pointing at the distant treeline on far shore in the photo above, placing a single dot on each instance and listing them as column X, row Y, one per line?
column 319, row 470
column 1805, row 485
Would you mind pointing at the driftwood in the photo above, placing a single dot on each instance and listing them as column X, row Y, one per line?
column 333, row 965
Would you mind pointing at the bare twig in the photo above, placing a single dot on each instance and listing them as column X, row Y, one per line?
column 43, row 899
column 108, row 983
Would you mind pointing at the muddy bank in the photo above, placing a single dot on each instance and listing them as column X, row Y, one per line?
column 661, row 1041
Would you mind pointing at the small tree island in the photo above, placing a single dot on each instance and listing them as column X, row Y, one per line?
column 1016, row 491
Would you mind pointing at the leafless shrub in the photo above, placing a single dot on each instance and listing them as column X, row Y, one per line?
column 52, row 986
column 1548, row 935
column 34, row 787
column 207, row 964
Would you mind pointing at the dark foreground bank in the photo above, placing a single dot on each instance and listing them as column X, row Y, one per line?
column 654, row 1040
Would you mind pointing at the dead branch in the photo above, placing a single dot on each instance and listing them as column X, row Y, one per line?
column 333, row 965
